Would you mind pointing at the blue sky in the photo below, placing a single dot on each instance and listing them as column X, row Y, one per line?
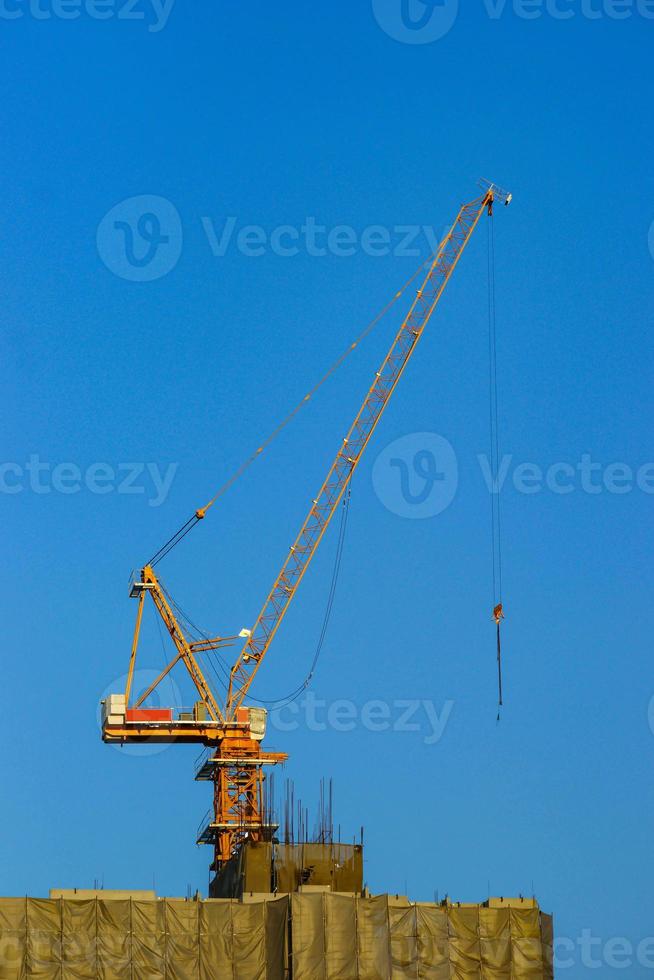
column 291, row 115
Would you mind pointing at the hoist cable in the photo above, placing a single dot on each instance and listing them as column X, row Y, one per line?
column 195, row 629
column 496, row 517
column 335, row 574
column 496, row 521
column 175, row 539
column 294, row 695
column 200, row 513
column 499, row 671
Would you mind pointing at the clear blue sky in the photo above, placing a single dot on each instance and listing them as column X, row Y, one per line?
column 272, row 115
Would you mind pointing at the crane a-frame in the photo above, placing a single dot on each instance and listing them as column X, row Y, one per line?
column 232, row 730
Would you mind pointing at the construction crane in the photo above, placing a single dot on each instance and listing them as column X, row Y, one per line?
column 233, row 731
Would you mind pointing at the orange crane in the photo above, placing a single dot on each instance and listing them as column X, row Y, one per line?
column 234, row 731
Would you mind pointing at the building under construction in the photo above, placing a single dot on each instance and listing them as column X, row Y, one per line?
column 279, row 911
column 328, row 929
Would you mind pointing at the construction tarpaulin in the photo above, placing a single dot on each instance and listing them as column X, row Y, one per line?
column 60, row 939
column 338, row 937
column 340, row 866
column 307, row 936
column 258, row 867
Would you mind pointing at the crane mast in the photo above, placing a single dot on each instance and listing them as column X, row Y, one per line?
column 233, row 732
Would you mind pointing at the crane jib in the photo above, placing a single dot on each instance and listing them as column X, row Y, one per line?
column 348, row 456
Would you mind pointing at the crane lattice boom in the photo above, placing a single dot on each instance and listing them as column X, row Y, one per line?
column 348, row 456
